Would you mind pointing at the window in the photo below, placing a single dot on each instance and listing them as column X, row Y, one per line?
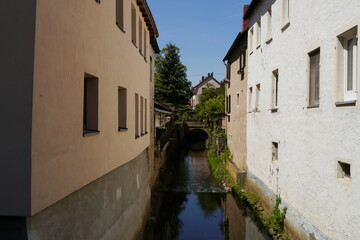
column 258, row 33
column 145, row 114
column 133, row 25
column 344, row 171
column 229, row 104
column 275, row 151
column 145, row 43
column 142, row 116
column 257, row 99
column 269, row 25
column 228, row 72
column 242, row 60
column 285, row 13
column 122, row 109
column 137, row 135
column 350, row 67
column 120, row 14
column 251, row 39
column 250, row 98
column 275, row 89
column 91, row 105
column 314, row 81
column 151, row 69
column 140, row 37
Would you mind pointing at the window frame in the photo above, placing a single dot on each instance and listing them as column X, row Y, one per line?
column 275, row 89
column 352, row 94
column 119, row 6
column 314, row 102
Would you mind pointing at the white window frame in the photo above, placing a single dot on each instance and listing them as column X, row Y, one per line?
column 275, row 89
column 350, row 95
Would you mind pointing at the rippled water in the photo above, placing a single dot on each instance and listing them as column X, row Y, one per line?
column 196, row 207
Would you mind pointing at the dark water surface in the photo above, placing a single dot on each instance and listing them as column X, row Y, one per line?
column 196, row 207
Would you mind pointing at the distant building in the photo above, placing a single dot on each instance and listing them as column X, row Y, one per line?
column 205, row 82
column 162, row 114
column 75, row 100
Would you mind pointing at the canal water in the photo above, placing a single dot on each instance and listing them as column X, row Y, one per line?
column 193, row 206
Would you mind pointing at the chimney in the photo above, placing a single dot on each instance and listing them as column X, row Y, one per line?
column 245, row 23
column 212, row 74
column 202, row 78
column 208, row 74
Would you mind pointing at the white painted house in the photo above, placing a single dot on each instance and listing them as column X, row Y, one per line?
column 206, row 81
column 303, row 121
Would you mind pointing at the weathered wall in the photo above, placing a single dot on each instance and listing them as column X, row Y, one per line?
column 74, row 37
column 17, row 24
column 311, row 141
column 114, row 206
column 236, row 127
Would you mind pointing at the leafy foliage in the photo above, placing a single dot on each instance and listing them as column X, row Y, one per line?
column 211, row 103
column 171, row 84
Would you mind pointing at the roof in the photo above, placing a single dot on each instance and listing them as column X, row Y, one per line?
column 204, row 81
column 251, row 8
column 150, row 23
column 236, row 42
column 162, row 106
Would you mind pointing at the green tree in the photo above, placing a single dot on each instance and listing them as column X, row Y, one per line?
column 171, row 84
column 211, row 104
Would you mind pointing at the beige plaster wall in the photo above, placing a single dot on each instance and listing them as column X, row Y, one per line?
column 74, row 37
column 236, row 127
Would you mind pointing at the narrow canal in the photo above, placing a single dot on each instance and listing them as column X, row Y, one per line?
column 194, row 205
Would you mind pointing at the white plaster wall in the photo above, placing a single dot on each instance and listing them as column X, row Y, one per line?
column 195, row 98
column 311, row 141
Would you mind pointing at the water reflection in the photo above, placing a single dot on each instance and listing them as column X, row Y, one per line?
column 196, row 207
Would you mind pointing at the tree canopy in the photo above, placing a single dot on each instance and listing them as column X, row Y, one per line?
column 211, row 104
column 171, row 84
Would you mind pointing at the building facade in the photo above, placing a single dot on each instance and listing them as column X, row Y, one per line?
column 303, row 121
column 236, row 97
column 206, row 81
column 77, row 97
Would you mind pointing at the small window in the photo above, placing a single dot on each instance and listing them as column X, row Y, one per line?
column 137, row 135
column 258, row 33
column 269, row 24
column 242, row 60
column 91, row 105
column 229, row 104
column 250, row 98
column 142, row 116
column 251, row 39
column 285, row 12
column 120, row 14
column 140, row 37
column 275, row 151
column 145, row 43
column 145, row 115
column 151, row 69
column 275, row 89
column 122, row 109
column 228, row 72
column 344, row 170
column 314, row 81
column 350, row 67
column 133, row 24
column 257, row 98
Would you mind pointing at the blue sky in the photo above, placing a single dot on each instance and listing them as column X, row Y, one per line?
column 203, row 30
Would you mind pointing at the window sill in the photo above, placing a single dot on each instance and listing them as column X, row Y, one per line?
column 134, row 43
column 141, row 53
column 251, row 52
column 88, row 132
column 122, row 129
column 258, row 46
column 145, row 59
column 137, row 136
column 117, row 24
column 285, row 26
column 313, row 106
column 346, row 103
column 142, row 134
column 268, row 40
column 146, row 133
